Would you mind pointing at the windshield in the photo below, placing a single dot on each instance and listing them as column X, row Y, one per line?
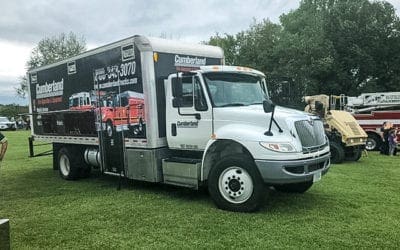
column 235, row 89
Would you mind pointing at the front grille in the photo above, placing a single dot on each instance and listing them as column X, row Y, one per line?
column 311, row 134
column 354, row 127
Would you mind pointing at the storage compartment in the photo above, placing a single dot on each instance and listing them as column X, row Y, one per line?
column 182, row 173
column 145, row 164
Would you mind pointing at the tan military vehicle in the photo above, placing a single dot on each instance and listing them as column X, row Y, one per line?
column 347, row 139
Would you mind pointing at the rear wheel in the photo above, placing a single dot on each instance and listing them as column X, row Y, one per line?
column 85, row 171
column 337, row 152
column 236, row 185
column 373, row 142
column 69, row 167
column 294, row 187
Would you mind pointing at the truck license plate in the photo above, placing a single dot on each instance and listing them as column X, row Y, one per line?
column 317, row 176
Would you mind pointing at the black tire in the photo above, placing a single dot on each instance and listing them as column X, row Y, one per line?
column 294, row 187
column 68, row 163
column 353, row 153
column 85, row 171
column 235, row 184
column 337, row 152
column 373, row 143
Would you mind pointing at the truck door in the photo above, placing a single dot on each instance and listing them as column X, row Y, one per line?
column 189, row 117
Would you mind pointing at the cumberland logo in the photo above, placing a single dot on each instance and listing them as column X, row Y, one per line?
column 187, row 124
column 50, row 89
column 188, row 61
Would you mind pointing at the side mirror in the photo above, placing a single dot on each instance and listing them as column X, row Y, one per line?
column 177, row 87
column 268, row 106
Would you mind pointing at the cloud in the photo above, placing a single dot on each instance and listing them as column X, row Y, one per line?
column 13, row 58
column 24, row 23
column 106, row 21
column 7, row 91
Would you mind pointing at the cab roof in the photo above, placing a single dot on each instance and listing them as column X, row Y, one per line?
column 230, row 69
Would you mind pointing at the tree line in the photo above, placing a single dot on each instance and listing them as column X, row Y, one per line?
column 13, row 110
column 324, row 46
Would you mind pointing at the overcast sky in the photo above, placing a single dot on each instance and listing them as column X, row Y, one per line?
column 24, row 23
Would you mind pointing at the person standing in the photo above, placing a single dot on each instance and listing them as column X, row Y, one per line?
column 28, row 123
column 387, row 126
column 4, row 144
column 392, row 141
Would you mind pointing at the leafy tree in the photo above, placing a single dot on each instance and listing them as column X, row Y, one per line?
column 229, row 45
column 50, row 50
column 252, row 47
column 366, row 39
column 344, row 46
column 324, row 46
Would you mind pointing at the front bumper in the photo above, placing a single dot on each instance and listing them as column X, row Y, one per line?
column 292, row 171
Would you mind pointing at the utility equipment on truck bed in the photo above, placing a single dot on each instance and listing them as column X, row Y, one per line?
column 347, row 138
column 156, row 110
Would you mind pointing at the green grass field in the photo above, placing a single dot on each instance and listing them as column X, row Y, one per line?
column 356, row 205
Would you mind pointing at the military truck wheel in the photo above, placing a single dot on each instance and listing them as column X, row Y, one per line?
column 294, row 187
column 68, row 166
column 337, row 152
column 353, row 153
column 373, row 142
column 236, row 185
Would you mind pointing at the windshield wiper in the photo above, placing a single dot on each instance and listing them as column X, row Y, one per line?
column 232, row 105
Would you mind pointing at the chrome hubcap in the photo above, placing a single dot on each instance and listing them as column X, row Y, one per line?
column 370, row 144
column 235, row 185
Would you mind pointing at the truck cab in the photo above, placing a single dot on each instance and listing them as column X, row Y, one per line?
column 224, row 113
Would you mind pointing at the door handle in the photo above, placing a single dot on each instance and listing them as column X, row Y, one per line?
column 173, row 129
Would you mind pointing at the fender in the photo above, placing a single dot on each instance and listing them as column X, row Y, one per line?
column 235, row 135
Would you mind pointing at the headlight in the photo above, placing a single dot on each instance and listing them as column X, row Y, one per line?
column 278, row 147
column 103, row 116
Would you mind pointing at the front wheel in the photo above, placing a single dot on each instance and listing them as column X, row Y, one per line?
column 236, row 185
